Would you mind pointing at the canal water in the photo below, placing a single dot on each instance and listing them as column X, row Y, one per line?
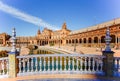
column 40, row 51
column 44, row 51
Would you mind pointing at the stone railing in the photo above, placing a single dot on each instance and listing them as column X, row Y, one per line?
column 4, row 67
column 59, row 63
column 116, row 66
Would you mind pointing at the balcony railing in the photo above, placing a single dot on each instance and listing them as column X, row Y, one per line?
column 60, row 63
column 4, row 67
column 116, row 66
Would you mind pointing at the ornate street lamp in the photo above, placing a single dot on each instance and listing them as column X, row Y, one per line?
column 107, row 40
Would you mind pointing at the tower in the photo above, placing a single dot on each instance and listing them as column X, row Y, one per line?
column 38, row 33
column 64, row 26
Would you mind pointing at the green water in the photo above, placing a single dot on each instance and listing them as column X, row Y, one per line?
column 40, row 51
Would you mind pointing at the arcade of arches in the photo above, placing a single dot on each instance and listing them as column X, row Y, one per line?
column 91, row 37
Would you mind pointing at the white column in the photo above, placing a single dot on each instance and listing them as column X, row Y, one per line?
column 65, row 63
column 77, row 64
column 52, row 63
column 56, row 63
column 89, row 63
column 20, row 65
column 40, row 64
column 28, row 65
column 101, row 64
column 61, row 63
column 23, row 65
column 32, row 64
column 3, row 67
column 73, row 63
column 48, row 63
column 93, row 64
column 44, row 64
column 36, row 63
column 118, row 40
column 69, row 63
column 97, row 68
column 7, row 65
column 81, row 64
column 85, row 63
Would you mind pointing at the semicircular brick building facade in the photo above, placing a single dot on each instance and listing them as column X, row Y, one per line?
column 91, row 36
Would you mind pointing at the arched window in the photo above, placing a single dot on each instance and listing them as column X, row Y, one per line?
column 95, row 39
column 89, row 40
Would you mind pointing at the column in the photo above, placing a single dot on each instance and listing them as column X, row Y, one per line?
column 108, row 61
column 28, row 65
column 56, row 63
column 36, row 64
column 77, row 64
column 81, row 64
column 44, row 63
column 40, row 64
column 48, row 63
column 32, row 69
column 69, row 63
column 73, row 63
column 12, row 56
column 65, row 63
column 52, row 63
column 61, row 63
column 85, row 63
column 20, row 65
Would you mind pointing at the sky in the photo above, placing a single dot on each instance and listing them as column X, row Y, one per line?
column 27, row 16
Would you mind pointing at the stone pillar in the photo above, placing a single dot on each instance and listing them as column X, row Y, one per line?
column 12, row 56
column 108, row 62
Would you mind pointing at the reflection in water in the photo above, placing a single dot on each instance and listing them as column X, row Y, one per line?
column 40, row 51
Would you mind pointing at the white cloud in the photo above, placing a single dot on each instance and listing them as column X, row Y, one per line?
column 26, row 17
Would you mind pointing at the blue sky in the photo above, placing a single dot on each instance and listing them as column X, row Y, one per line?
column 53, row 13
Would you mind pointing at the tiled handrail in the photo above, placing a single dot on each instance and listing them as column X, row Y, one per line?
column 58, row 63
column 4, row 67
column 117, row 66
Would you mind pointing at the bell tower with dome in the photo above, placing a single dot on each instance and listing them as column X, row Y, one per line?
column 64, row 26
column 38, row 33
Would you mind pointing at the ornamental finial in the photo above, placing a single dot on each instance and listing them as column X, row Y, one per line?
column 107, row 40
column 13, row 41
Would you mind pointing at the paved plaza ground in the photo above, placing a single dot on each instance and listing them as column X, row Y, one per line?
column 62, row 77
column 88, row 50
